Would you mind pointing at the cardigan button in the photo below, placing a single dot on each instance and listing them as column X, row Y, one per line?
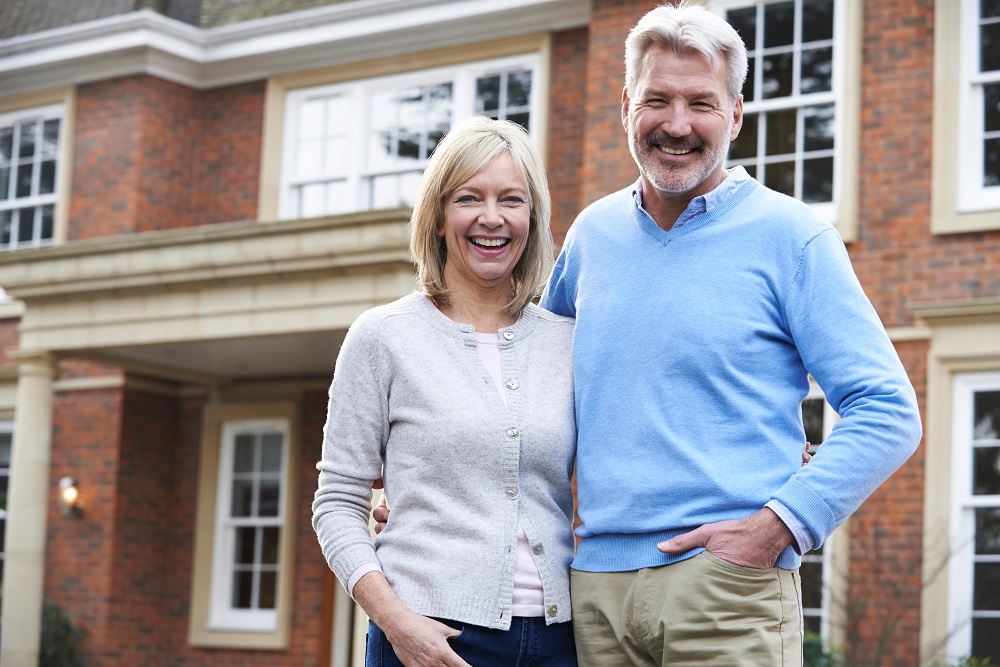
column 512, row 384
column 508, row 334
column 553, row 610
column 511, row 493
column 537, row 549
column 512, row 432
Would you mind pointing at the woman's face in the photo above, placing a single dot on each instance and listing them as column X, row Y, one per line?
column 485, row 226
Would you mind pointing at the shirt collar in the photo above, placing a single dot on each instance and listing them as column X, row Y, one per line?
column 702, row 203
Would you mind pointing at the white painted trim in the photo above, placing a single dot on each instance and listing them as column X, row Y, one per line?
column 973, row 196
column 147, row 42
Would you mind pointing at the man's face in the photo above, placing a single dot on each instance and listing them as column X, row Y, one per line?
column 680, row 121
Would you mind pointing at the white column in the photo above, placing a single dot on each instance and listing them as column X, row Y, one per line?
column 27, row 513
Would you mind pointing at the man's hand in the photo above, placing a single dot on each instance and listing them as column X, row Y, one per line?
column 755, row 541
column 381, row 511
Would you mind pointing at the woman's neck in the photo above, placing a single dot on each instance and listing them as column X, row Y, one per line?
column 486, row 310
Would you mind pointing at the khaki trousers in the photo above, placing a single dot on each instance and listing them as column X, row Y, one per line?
column 697, row 612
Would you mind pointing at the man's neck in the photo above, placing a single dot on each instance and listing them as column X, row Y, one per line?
column 666, row 207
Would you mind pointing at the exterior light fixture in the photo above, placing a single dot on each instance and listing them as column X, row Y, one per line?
column 69, row 497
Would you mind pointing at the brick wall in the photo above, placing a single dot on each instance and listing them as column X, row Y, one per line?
column 154, row 155
column 566, row 127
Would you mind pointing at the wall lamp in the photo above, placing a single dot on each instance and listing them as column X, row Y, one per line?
column 69, row 497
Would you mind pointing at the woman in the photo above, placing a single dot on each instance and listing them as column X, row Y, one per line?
column 461, row 397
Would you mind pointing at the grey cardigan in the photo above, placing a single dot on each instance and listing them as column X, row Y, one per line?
column 462, row 470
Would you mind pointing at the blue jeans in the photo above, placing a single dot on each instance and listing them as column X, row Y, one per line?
column 528, row 643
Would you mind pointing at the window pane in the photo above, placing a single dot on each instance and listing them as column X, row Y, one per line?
column 5, row 223
column 4, row 183
column 989, row 47
column 991, row 162
column 488, row 95
column 246, row 542
column 270, row 546
column 268, row 590
column 817, row 180
column 745, row 144
column 812, row 624
column 338, row 198
column 777, row 75
column 986, row 638
column 519, row 88
column 26, row 139
column 47, row 178
column 779, row 24
column 818, row 122
column 335, row 156
column 988, row 530
column 812, row 584
column 986, row 470
column 986, row 595
column 5, row 451
column 48, row 218
column 242, row 498
column 751, row 170
column 745, row 22
column 521, row 119
column 817, row 20
column 270, row 490
column 311, row 204
column 989, row 9
column 6, row 143
column 812, row 420
column 270, row 458
column 50, row 138
column 748, row 85
column 310, row 156
column 986, row 415
column 780, row 176
column 991, row 107
column 24, row 172
column 243, row 454
column 781, row 132
column 242, row 590
column 311, row 119
column 26, row 225
column 817, row 70
column 338, row 115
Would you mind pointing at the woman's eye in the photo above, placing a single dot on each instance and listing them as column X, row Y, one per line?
column 465, row 199
column 513, row 200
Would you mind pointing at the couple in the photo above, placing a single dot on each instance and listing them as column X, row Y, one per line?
column 702, row 302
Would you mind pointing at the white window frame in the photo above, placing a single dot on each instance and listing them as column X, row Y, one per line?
column 222, row 615
column 41, row 114
column 973, row 196
column 830, row 417
column 462, row 76
column 961, row 569
column 844, row 95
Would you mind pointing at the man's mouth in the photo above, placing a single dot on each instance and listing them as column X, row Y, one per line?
column 674, row 151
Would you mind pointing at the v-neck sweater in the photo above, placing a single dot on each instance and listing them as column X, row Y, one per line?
column 412, row 401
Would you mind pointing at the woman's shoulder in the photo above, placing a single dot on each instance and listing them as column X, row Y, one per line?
column 549, row 320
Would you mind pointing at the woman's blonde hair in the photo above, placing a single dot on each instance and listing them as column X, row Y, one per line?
column 465, row 151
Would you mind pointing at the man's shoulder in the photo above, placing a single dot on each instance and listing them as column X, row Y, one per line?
column 608, row 208
column 782, row 214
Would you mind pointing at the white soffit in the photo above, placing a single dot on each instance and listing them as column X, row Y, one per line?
column 148, row 42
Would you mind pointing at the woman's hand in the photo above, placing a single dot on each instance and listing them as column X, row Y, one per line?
column 806, row 457
column 422, row 642
column 417, row 640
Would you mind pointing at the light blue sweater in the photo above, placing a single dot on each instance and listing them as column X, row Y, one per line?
column 691, row 355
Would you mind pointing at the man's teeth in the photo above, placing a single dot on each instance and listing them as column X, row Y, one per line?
column 491, row 243
column 674, row 151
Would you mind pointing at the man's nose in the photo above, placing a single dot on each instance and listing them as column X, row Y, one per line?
column 676, row 121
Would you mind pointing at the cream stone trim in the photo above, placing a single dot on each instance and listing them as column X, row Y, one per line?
column 965, row 337
column 66, row 96
column 905, row 334
column 215, row 415
column 224, row 281
column 279, row 86
column 945, row 216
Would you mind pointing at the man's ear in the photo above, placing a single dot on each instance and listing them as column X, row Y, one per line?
column 737, row 118
column 625, row 103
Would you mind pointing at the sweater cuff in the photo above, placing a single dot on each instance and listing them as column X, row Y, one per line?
column 358, row 573
column 803, row 539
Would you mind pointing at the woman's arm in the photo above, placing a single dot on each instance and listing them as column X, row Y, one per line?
column 417, row 640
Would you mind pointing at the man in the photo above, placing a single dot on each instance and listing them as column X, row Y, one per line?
column 703, row 303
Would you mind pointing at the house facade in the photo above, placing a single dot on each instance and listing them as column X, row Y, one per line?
column 197, row 199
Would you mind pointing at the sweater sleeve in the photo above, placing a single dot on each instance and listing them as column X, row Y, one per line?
column 559, row 296
column 354, row 437
column 845, row 348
